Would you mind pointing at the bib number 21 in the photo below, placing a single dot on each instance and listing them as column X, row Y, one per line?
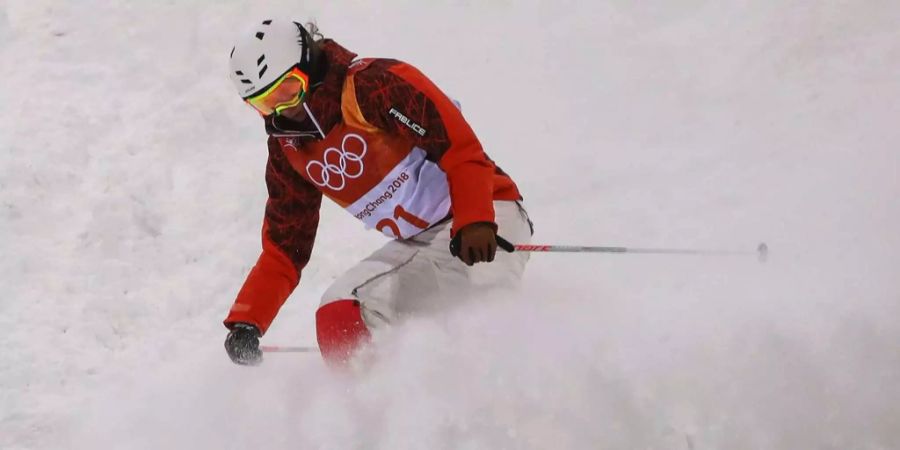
column 400, row 214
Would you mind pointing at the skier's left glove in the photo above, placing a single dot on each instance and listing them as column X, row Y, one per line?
column 477, row 242
column 242, row 344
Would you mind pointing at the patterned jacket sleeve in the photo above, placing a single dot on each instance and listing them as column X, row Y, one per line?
column 398, row 98
column 289, row 230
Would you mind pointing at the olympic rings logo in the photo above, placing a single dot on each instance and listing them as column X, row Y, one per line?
column 338, row 164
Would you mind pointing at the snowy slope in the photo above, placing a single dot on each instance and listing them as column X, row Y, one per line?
column 131, row 195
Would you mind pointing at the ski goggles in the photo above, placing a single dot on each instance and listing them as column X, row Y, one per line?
column 286, row 92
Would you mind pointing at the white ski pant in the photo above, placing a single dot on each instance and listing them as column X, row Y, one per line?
column 418, row 276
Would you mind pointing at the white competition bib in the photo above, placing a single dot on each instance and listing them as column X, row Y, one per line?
column 410, row 198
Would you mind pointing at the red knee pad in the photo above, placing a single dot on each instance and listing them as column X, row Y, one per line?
column 340, row 330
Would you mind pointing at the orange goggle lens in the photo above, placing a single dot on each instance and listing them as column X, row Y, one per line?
column 287, row 92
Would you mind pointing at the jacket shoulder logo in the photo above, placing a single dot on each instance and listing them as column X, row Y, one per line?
column 402, row 118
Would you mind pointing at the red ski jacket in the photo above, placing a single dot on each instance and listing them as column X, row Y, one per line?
column 389, row 147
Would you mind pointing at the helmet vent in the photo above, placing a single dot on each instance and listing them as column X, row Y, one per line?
column 238, row 72
column 259, row 62
column 232, row 52
column 267, row 22
column 246, row 81
column 260, row 35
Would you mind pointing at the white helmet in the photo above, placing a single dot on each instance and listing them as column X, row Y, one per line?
column 266, row 51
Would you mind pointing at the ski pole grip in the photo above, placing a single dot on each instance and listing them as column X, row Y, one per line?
column 454, row 245
column 505, row 245
column 502, row 243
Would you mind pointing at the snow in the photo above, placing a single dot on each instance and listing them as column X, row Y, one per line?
column 131, row 195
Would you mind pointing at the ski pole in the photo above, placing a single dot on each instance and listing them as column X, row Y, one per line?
column 762, row 250
column 282, row 349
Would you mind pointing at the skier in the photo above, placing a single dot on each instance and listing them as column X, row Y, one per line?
column 381, row 140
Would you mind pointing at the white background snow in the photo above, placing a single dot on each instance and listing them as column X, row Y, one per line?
column 131, row 195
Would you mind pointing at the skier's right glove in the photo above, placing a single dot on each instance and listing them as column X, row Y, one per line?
column 477, row 242
column 242, row 344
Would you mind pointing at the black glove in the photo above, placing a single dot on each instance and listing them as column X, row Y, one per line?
column 242, row 344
